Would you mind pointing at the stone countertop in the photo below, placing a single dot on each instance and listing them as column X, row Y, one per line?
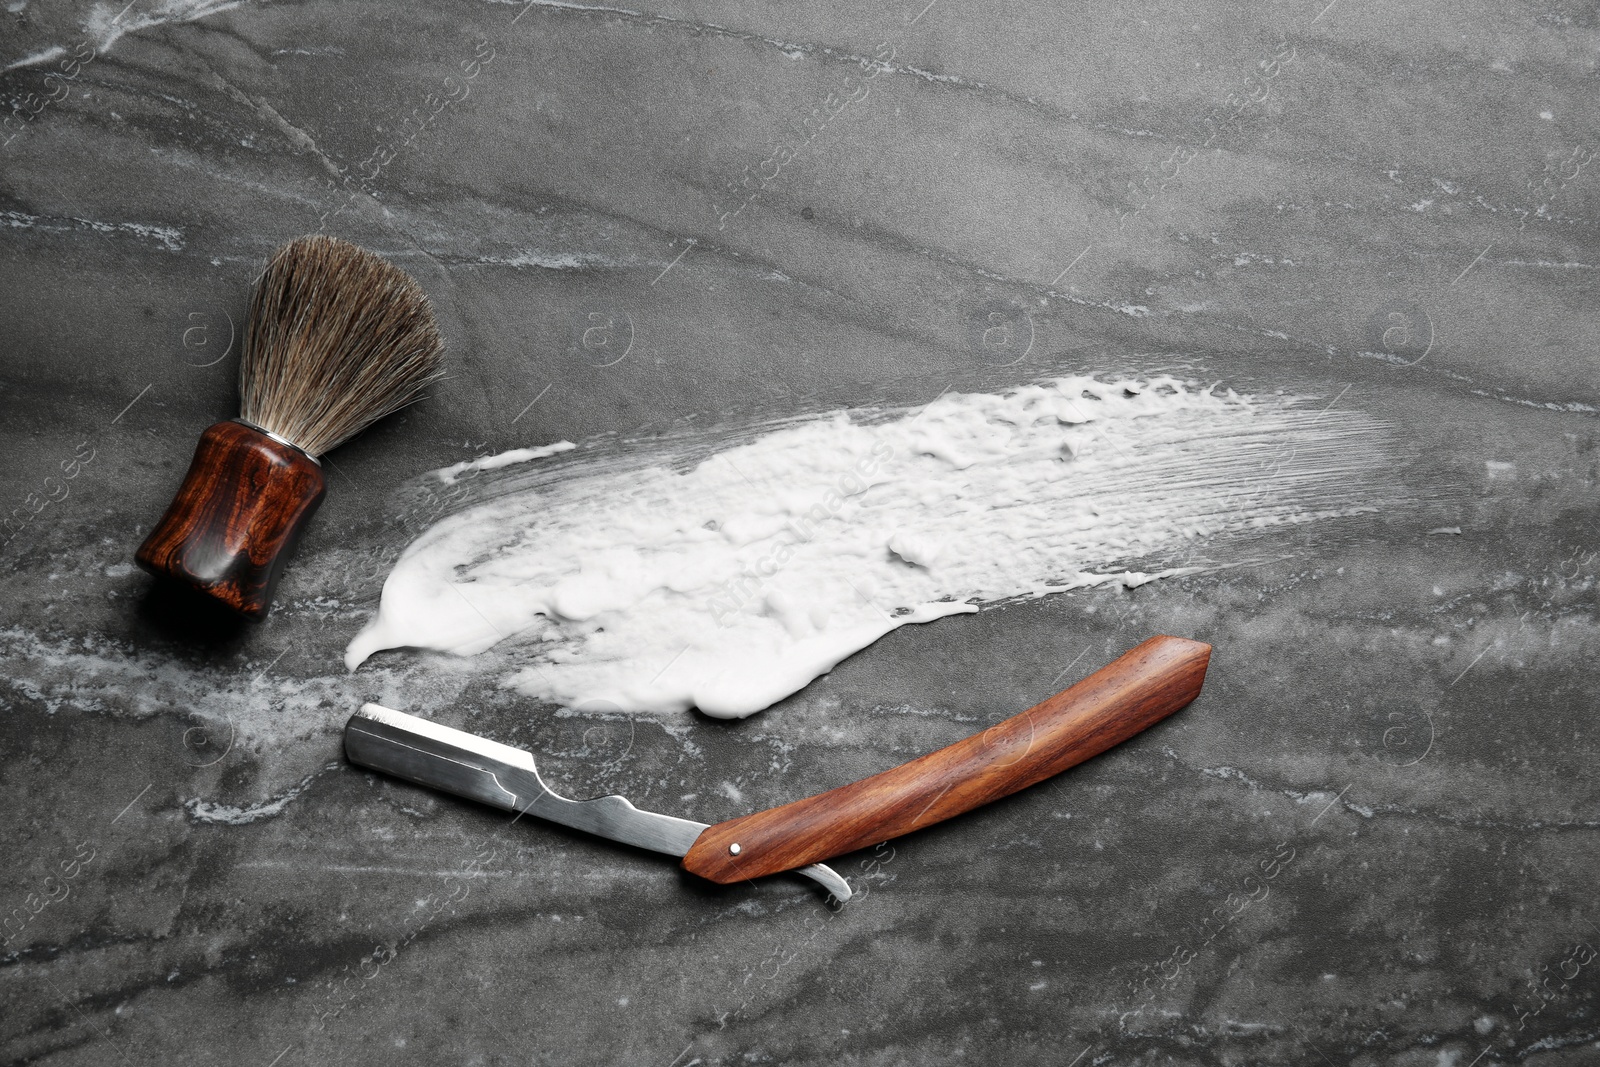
column 1373, row 838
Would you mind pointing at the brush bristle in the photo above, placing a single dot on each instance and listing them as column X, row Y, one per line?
column 337, row 339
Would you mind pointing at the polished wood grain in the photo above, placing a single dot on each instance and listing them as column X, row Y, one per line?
column 244, row 500
column 1137, row 690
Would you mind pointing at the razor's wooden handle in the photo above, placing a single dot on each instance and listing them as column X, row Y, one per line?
column 1108, row 707
column 239, row 509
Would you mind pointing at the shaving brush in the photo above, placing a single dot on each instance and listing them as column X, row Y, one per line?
column 337, row 339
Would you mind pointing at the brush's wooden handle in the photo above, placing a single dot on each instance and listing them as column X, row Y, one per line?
column 240, row 506
column 1108, row 707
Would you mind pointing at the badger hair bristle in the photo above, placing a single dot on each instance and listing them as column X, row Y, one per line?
column 337, row 339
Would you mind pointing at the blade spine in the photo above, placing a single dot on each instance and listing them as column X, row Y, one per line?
column 461, row 739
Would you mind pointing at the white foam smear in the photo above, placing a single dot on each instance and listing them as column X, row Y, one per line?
column 449, row 474
column 731, row 585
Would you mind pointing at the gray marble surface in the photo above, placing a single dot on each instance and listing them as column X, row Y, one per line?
column 1371, row 841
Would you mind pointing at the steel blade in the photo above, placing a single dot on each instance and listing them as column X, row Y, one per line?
column 499, row 775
